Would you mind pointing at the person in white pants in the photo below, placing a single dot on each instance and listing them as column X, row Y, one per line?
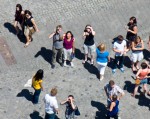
column 102, row 59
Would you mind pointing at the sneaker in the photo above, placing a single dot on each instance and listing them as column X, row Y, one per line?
column 62, row 64
column 92, row 62
column 53, row 66
column 101, row 77
column 72, row 65
column 122, row 70
column 84, row 61
column 114, row 71
column 65, row 65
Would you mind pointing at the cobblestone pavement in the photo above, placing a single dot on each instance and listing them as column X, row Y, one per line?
column 108, row 18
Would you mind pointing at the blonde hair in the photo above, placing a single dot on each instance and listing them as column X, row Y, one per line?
column 102, row 47
column 53, row 91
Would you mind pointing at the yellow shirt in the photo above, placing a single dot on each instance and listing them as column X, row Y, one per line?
column 36, row 84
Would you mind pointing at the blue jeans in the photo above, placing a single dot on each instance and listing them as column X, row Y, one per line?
column 119, row 59
column 36, row 96
column 49, row 116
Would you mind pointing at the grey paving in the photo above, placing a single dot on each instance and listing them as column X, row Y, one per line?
column 108, row 18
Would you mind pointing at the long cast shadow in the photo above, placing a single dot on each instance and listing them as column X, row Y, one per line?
column 102, row 111
column 92, row 69
column 10, row 27
column 45, row 53
column 25, row 93
column 78, row 54
column 143, row 100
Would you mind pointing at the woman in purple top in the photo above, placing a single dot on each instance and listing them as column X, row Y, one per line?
column 102, row 59
column 68, row 47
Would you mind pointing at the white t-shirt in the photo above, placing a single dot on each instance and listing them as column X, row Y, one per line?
column 113, row 91
column 120, row 47
column 50, row 104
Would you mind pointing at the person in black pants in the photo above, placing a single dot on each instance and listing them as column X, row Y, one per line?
column 120, row 50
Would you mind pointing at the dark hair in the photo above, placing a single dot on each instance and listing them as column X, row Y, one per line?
column 111, row 82
column 114, row 97
column 144, row 65
column 85, row 29
column 134, row 20
column 28, row 12
column 71, row 96
column 70, row 33
column 39, row 75
column 20, row 8
column 120, row 38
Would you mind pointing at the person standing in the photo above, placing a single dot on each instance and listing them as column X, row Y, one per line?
column 19, row 18
column 57, row 48
column 37, row 85
column 30, row 27
column 51, row 105
column 102, row 59
column 89, row 44
column 137, row 52
column 142, row 75
column 70, row 107
column 69, row 47
column 113, row 110
column 112, row 89
column 120, row 50
column 131, row 30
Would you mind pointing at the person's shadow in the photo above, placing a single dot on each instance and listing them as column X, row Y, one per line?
column 146, row 54
column 129, row 86
column 45, row 53
column 92, row 69
column 35, row 115
column 25, row 93
column 102, row 111
column 143, row 100
column 78, row 54
column 10, row 27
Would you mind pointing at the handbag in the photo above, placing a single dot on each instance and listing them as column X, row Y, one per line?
column 137, row 81
column 28, row 83
column 77, row 112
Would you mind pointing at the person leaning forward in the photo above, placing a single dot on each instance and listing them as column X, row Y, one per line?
column 57, row 48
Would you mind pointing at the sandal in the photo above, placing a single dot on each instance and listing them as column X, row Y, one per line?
column 26, row 45
column 84, row 61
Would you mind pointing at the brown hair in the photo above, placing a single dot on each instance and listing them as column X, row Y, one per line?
column 102, row 47
column 120, row 38
column 111, row 82
column 53, row 91
column 114, row 97
column 138, row 37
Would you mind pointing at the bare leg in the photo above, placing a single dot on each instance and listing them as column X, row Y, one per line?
column 16, row 27
column 135, row 90
column 144, row 88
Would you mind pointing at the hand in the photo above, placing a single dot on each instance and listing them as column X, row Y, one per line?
column 37, row 30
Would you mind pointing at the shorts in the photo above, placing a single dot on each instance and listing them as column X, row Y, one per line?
column 143, row 81
column 89, row 49
column 137, row 57
column 27, row 31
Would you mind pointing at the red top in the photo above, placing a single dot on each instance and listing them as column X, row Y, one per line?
column 68, row 44
column 143, row 74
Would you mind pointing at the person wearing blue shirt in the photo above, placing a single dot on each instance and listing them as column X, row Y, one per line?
column 102, row 59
